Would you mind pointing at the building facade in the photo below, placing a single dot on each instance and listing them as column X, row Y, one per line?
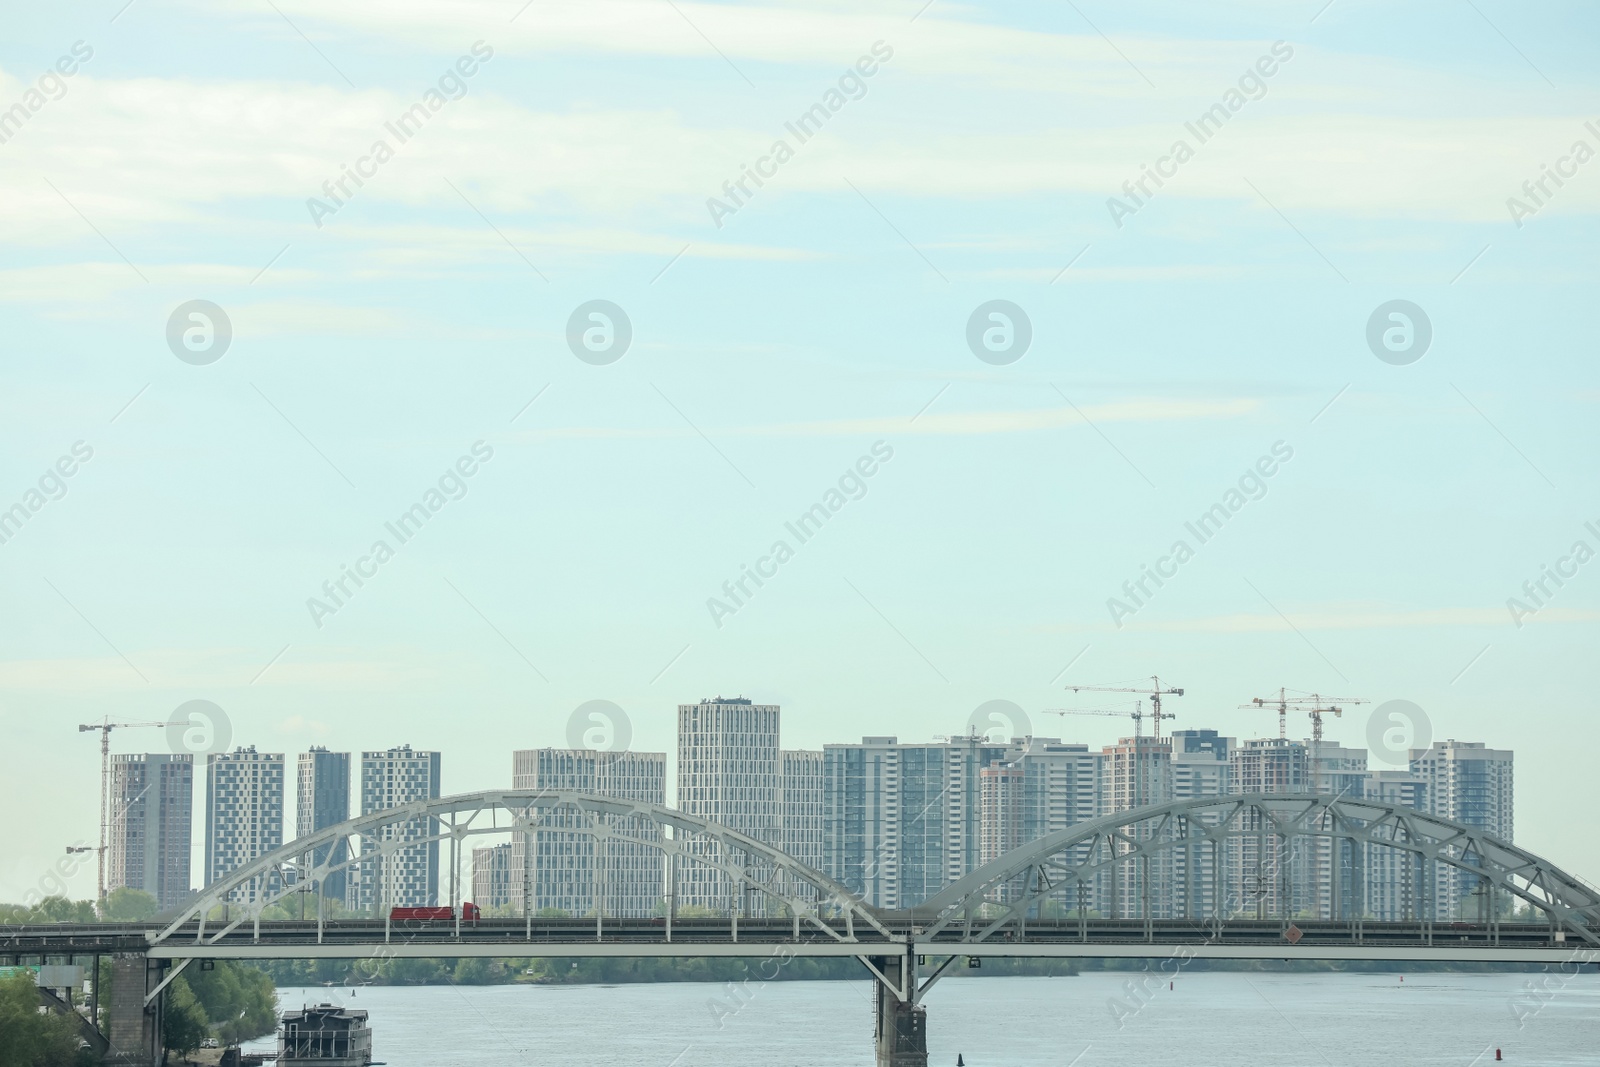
column 493, row 885
column 322, row 799
column 244, row 814
column 392, row 873
column 1392, row 876
column 1201, row 767
column 1136, row 772
column 729, row 771
column 149, row 826
column 1469, row 783
column 902, row 820
column 800, row 814
column 558, row 866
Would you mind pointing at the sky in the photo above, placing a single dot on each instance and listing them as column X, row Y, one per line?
column 1346, row 320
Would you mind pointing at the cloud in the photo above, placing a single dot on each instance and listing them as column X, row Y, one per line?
column 1356, row 619
column 935, row 424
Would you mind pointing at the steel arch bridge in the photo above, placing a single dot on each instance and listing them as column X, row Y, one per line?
column 1069, row 862
column 1000, row 909
column 303, row 866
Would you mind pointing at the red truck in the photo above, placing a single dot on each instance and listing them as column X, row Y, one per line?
column 469, row 914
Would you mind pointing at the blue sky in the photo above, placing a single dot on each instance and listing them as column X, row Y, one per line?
column 770, row 353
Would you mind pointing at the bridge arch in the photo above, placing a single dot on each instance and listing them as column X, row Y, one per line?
column 304, row 865
column 1004, row 890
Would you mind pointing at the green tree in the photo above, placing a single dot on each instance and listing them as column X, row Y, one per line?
column 184, row 1022
column 239, row 1000
column 128, row 905
column 29, row 1038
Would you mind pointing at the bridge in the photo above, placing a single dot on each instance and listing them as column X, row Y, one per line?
column 1192, row 879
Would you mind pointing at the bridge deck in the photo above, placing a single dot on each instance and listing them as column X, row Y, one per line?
column 1098, row 938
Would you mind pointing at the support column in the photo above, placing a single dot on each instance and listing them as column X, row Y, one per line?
column 134, row 1032
column 901, row 1036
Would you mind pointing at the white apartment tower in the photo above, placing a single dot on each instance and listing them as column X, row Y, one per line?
column 801, row 810
column 620, row 873
column 244, row 814
column 392, row 873
column 1200, row 768
column 1467, row 782
column 1136, row 772
column 730, row 772
column 1393, row 876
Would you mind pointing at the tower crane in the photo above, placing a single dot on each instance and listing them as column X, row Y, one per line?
column 1137, row 714
column 105, row 726
column 1154, row 694
column 1315, row 706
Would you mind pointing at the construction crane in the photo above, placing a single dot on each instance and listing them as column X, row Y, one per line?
column 105, row 726
column 1137, row 714
column 1154, row 694
column 1315, row 706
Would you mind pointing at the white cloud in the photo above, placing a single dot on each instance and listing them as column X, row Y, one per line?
column 932, row 424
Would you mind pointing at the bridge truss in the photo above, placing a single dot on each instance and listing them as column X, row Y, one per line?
column 302, row 867
column 1219, row 858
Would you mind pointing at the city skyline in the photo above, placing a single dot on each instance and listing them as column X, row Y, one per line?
column 1091, row 780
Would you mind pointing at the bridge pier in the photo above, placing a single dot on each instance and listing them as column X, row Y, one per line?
column 132, row 1030
column 900, row 1025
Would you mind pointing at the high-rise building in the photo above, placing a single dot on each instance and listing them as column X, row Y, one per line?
column 566, row 868
column 1269, row 876
column 1001, row 805
column 492, row 883
column 1469, row 783
column 322, row 800
column 1137, row 772
column 1037, row 787
column 1393, row 876
column 244, row 814
column 1337, row 873
column 1201, row 767
column 800, row 814
column 152, row 810
column 728, row 772
column 903, row 820
column 391, row 873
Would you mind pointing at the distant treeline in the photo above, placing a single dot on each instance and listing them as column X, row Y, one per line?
column 347, row 974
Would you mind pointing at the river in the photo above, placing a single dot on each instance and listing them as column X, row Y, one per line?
column 1203, row 1020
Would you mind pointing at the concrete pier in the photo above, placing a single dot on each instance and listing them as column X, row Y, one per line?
column 901, row 1031
column 133, row 1031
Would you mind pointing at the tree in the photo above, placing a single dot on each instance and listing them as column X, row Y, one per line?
column 184, row 1022
column 239, row 1000
column 128, row 905
column 29, row 1037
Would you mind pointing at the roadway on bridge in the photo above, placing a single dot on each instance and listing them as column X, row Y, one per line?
column 1094, row 938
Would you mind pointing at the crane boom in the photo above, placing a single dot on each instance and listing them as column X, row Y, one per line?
column 1137, row 714
column 1315, row 706
column 1154, row 694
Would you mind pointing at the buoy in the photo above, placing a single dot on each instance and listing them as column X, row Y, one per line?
column 1497, row 1054
column 1169, row 985
column 959, row 1061
column 1402, row 978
